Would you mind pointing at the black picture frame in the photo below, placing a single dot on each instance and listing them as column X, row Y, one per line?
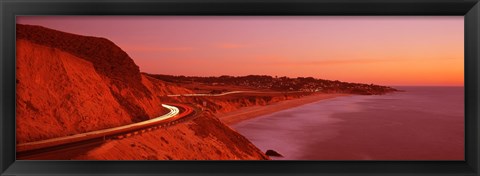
column 470, row 9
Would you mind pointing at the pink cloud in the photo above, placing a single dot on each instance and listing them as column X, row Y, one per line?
column 278, row 61
column 230, row 46
column 156, row 48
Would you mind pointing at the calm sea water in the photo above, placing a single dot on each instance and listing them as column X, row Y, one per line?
column 422, row 123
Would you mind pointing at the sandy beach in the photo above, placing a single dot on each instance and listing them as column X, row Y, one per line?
column 422, row 123
column 246, row 113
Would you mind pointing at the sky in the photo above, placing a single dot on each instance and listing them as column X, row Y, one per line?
column 393, row 50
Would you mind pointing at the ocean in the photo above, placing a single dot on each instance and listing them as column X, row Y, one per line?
column 421, row 123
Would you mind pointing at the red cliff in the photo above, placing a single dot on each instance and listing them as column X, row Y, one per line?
column 69, row 84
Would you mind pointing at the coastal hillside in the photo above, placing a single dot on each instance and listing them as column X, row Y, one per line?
column 69, row 84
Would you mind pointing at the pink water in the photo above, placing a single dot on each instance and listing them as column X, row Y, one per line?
column 423, row 123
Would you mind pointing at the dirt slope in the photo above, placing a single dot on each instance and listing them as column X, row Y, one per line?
column 204, row 138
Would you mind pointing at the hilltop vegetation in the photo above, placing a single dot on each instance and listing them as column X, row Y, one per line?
column 305, row 84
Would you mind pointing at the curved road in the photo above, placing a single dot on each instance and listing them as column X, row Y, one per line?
column 48, row 145
column 68, row 146
column 226, row 93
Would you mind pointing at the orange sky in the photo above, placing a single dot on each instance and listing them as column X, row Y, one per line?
column 379, row 50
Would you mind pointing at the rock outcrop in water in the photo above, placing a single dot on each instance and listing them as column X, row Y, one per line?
column 273, row 153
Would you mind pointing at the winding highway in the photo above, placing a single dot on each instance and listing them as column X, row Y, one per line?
column 68, row 146
column 226, row 93
column 74, row 142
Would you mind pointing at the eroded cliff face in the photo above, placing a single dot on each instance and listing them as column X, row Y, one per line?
column 69, row 84
column 60, row 94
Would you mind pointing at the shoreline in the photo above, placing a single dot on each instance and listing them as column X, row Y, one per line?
column 246, row 113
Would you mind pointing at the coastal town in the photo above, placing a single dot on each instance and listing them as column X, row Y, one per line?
column 264, row 82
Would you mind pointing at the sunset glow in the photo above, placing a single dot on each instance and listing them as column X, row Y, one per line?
column 378, row 50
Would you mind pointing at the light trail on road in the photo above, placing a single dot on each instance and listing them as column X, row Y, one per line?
column 226, row 93
column 173, row 112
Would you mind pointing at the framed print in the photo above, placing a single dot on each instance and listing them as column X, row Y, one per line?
column 233, row 88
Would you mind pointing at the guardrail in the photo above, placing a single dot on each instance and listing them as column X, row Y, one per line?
column 117, row 132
